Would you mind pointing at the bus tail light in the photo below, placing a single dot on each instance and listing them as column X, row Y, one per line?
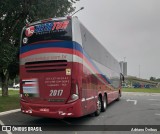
column 74, row 93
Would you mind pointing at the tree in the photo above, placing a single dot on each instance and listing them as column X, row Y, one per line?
column 152, row 79
column 13, row 16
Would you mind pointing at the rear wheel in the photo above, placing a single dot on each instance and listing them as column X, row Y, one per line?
column 119, row 96
column 104, row 103
column 99, row 105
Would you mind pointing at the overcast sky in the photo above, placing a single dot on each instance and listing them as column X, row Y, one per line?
column 127, row 28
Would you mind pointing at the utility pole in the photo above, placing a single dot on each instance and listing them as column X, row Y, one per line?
column 77, row 11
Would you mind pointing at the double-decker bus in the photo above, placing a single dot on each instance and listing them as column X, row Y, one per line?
column 65, row 71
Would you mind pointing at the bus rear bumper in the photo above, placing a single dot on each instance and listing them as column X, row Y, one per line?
column 55, row 111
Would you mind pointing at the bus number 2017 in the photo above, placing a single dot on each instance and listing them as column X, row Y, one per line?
column 56, row 92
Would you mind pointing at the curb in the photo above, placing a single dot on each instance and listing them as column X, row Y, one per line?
column 9, row 112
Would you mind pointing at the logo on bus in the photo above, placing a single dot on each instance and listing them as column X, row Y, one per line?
column 46, row 28
column 51, row 26
column 29, row 31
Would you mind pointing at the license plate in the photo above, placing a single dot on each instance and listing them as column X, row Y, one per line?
column 44, row 109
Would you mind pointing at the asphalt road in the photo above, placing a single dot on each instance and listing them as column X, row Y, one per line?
column 132, row 109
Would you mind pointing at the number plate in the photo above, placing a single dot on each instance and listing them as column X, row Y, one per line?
column 44, row 109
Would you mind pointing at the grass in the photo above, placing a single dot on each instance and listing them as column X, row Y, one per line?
column 9, row 102
column 11, row 91
column 144, row 90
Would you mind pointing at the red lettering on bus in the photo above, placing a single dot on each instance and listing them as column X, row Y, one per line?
column 60, row 25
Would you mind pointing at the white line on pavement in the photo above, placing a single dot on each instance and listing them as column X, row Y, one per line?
column 141, row 94
column 157, row 114
column 8, row 132
column 9, row 112
column 156, row 94
column 154, row 99
column 1, row 123
column 135, row 101
column 156, row 104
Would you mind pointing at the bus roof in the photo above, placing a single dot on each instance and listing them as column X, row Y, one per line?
column 46, row 20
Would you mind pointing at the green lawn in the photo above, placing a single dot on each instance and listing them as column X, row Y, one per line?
column 145, row 90
column 11, row 91
column 11, row 102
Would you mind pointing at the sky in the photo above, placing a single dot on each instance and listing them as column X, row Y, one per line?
column 129, row 30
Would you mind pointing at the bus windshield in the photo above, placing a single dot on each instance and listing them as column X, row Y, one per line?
column 51, row 30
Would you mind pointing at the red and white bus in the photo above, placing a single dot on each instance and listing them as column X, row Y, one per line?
column 65, row 71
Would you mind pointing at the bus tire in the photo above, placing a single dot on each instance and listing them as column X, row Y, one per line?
column 99, row 105
column 104, row 104
column 119, row 96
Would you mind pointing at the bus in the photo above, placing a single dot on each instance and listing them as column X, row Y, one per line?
column 65, row 71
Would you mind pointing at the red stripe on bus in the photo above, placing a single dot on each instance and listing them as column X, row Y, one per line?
column 46, row 50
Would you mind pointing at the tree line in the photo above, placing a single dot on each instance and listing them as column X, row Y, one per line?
column 14, row 14
column 155, row 79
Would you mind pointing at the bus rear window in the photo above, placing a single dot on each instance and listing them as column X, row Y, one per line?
column 52, row 30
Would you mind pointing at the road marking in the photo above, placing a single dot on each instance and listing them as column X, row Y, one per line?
column 156, row 104
column 8, row 132
column 135, row 101
column 141, row 94
column 76, row 133
column 158, row 94
column 9, row 112
column 154, row 99
column 157, row 114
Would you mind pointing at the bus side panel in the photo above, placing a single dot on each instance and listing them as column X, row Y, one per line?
column 89, row 89
column 106, row 67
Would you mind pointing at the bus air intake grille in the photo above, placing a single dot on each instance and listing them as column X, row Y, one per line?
column 46, row 66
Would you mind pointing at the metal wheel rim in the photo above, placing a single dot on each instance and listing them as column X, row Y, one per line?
column 105, row 103
column 98, row 106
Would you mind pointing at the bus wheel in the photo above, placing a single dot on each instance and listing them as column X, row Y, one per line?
column 119, row 95
column 104, row 104
column 99, row 105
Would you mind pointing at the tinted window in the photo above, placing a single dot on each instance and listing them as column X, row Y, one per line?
column 53, row 30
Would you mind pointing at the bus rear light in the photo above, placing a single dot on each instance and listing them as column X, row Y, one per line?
column 74, row 92
column 73, row 98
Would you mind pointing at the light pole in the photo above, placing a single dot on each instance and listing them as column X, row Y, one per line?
column 77, row 11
